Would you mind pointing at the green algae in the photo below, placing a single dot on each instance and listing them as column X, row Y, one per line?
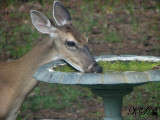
column 115, row 66
column 65, row 68
column 121, row 66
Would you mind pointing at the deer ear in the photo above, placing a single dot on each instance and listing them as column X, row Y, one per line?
column 61, row 14
column 41, row 22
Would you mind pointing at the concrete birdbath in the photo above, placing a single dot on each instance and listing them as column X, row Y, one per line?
column 121, row 75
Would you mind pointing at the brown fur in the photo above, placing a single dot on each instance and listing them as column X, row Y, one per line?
column 76, row 34
column 16, row 80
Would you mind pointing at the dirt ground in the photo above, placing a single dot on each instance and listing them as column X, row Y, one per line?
column 124, row 28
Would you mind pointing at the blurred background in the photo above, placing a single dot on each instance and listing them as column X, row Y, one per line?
column 112, row 26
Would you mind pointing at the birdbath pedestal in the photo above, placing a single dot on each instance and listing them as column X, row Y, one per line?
column 111, row 86
column 112, row 100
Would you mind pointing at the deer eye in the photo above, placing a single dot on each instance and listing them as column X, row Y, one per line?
column 70, row 44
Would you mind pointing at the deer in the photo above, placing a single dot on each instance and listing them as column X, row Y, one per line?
column 64, row 42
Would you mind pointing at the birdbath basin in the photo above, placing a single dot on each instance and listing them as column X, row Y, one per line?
column 121, row 75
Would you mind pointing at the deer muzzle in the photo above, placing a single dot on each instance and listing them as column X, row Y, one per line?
column 95, row 68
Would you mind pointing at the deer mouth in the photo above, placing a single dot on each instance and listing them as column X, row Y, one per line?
column 95, row 68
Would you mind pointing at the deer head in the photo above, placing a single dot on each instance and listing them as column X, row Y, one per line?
column 70, row 44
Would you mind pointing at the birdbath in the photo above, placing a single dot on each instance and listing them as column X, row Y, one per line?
column 121, row 75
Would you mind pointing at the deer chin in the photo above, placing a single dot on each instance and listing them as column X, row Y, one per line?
column 75, row 66
column 56, row 57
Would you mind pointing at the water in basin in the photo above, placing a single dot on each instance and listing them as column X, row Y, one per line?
column 115, row 66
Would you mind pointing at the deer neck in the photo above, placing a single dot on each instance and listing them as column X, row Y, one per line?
column 41, row 54
column 23, row 70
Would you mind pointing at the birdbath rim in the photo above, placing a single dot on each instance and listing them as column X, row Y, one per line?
column 125, row 79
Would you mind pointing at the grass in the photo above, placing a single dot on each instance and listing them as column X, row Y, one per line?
column 48, row 98
column 22, row 44
column 148, row 97
column 130, row 7
column 113, row 36
column 57, row 97
column 14, row 2
column 61, row 97
column 158, row 5
column 16, row 39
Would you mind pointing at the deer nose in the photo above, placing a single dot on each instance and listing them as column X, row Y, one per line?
column 96, row 68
